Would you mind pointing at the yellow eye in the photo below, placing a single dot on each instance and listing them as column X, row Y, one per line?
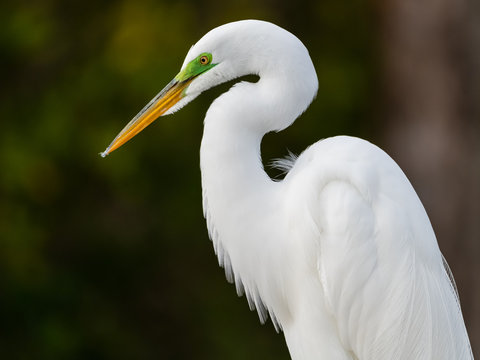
column 204, row 60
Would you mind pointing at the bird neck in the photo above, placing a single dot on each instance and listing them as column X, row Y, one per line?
column 230, row 156
column 239, row 198
column 237, row 192
column 230, row 161
column 241, row 203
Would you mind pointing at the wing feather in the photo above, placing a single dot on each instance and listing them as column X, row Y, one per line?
column 384, row 277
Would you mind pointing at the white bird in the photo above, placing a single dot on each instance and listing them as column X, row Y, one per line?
column 340, row 253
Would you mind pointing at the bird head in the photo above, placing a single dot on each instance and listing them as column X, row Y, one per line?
column 248, row 47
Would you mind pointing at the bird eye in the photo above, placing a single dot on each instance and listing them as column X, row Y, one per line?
column 204, row 60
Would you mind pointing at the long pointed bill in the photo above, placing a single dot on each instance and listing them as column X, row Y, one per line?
column 158, row 106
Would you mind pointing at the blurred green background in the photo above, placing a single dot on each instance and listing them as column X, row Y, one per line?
column 110, row 258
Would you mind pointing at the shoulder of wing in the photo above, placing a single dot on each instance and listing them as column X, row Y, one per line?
column 376, row 252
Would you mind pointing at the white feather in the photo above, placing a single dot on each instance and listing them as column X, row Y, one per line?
column 340, row 253
column 284, row 164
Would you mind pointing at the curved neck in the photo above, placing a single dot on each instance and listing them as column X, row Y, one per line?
column 230, row 156
column 231, row 165
column 241, row 203
column 239, row 198
column 235, row 124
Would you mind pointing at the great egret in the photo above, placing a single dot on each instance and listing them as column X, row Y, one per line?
column 341, row 253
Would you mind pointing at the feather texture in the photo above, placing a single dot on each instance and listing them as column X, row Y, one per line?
column 340, row 253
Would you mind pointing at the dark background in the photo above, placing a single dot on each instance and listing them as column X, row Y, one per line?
column 109, row 258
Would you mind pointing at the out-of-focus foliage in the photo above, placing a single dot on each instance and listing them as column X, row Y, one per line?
column 109, row 258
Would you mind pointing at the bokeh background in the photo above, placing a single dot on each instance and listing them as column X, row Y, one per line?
column 110, row 258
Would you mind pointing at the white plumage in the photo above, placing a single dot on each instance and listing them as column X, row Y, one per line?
column 341, row 253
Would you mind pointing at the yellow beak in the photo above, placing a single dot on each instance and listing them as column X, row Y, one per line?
column 158, row 106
